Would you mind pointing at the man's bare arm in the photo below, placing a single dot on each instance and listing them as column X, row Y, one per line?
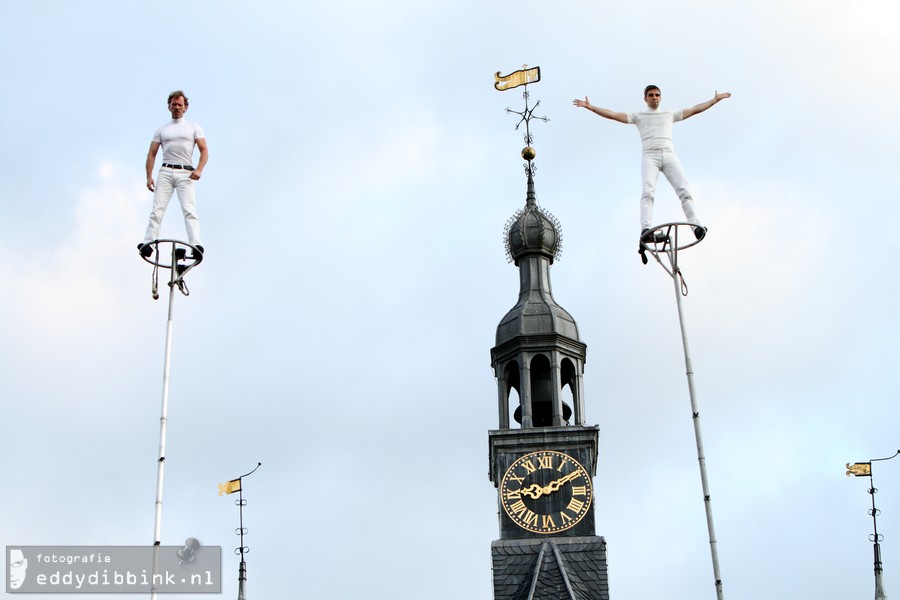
column 690, row 112
column 151, row 159
column 204, row 156
column 603, row 112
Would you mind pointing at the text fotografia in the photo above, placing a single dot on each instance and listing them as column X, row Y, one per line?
column 70, row 559
column 114, row 569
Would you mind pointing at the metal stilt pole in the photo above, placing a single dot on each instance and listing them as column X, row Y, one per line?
column 164, row 412
column 665, row 240
column 163, row 421
column 701, row 458
column 177, row 271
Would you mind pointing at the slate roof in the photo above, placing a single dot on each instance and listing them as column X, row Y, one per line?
column 550, row 569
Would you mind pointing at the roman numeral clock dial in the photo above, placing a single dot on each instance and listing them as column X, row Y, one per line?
column 546, row 492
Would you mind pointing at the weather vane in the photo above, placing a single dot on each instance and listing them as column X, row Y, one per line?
column 522, row 77
column 864, row 469
column 230, row 487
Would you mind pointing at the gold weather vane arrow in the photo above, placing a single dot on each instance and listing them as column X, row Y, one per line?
column 523, row 76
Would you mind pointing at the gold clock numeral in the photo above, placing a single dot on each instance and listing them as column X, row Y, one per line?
column 529, row 466
column 518, row 508
column 564, row 518
column 528, row 516
column 545, row 462
column 516, row 478
column 579, row 490
column 513, row 494
column 562, row 464
column 575, row 505
column 547, row 522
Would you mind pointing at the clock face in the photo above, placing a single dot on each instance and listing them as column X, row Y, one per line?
column 546, row 492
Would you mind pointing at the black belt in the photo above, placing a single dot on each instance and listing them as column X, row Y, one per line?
column 185, row 167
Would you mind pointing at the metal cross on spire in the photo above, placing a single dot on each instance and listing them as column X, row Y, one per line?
column 522, row 78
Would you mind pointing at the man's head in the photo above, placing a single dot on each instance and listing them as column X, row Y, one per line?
column 652, row 96
column 178, row 104
column 18, row 564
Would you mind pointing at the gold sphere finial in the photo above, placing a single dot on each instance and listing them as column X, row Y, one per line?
column 528, row 153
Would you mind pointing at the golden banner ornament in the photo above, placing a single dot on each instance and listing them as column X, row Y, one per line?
column 859, row 469
column 230, row 487
column 516, row 78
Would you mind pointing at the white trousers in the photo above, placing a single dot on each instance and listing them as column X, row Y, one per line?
column 652, row 163
column 168, row 181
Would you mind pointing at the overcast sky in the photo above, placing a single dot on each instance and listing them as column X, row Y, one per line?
column 361, row 169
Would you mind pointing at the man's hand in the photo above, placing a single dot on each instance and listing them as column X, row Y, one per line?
column 603, row 112
column 151, row 158
column 204, row 156
column 582, row 103
column 690, row 112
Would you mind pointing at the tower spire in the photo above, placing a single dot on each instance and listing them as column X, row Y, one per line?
column 543, row 469
column 538, row 350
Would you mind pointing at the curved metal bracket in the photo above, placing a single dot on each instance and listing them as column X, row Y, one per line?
column 670, row 238
column 181, row 261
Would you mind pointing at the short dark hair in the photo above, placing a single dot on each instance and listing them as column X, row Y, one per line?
column 646, row 90
column 177, row 94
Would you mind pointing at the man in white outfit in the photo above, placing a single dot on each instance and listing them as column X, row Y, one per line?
column 655, row 127
column 177, row 138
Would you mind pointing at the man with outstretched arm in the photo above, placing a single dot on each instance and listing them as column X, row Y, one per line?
column 177, row 139
column 655, row 128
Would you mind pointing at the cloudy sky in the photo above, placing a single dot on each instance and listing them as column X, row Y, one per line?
column 361, row 170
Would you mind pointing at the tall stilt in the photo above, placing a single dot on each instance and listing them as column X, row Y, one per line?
column 665, row 241
column 180, row 263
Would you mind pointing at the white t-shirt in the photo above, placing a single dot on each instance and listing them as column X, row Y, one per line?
column 655, row 127
column 177, row 138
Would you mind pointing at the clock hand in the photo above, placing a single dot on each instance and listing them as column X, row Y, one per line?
column 554, row 486
column 533, row 491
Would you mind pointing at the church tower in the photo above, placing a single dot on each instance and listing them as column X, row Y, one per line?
column 543, row 457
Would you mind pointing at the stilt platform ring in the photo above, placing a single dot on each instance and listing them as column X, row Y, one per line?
column 670, row 237
column 182, row 259
column 185, row 255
